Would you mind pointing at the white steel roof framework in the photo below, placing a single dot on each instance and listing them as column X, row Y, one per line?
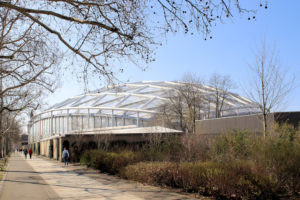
column 144, row 97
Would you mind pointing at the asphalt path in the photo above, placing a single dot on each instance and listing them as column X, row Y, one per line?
column 22, row 182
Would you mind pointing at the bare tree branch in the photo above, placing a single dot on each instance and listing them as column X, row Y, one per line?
column 221, row 85
column 100, row 32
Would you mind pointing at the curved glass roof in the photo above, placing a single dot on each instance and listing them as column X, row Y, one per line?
column 144, row 98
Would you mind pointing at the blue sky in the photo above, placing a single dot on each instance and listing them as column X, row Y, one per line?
column 230, row 51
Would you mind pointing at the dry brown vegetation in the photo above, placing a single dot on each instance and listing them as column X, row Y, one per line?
column 236, row 165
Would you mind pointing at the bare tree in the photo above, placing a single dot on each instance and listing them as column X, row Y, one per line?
column 97, row 33
column 192, row 92
column 10, row 133
column 26, row 67
column 27, row 64
column 270, row 84
column 221, row 86
column 185, row 104
column 173, row 112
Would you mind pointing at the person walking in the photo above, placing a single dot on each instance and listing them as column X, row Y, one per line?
column 30, row 153
column 25, row 153
column 65, row 156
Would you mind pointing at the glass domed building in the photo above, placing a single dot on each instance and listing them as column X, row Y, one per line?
column 130, row 105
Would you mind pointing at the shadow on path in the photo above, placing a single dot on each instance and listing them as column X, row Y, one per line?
column 58, row 185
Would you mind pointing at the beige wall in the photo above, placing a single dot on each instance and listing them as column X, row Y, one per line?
column 60, row 148
column 55, row 148
column 45, row 148
column 252, row 123
column 43, row 145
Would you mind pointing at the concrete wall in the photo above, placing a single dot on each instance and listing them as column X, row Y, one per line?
column 45, row 148
column 223, row 125
column 252, row 123
column 50, row 148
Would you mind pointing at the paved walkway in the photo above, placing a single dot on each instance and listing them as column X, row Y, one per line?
column 22, row 182
column 41, row 178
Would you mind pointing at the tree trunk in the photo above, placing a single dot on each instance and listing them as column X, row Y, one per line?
column 265, row 124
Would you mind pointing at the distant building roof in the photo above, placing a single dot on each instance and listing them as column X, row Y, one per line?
column 24, row 139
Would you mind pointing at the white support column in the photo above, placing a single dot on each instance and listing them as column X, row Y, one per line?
column 43, row 126
column 82, row 122
column 94, row 119
column 58, row 124
column 68, row 117
column 40, row 126
column 48, row 125
column 55, row 127
column 112, row 118
column 63, row 125
column 71, row 124
column 36, row 129
column 89, row 119
column 51, row 124
column 124, row 119
column 33, row 133
column 138, row 119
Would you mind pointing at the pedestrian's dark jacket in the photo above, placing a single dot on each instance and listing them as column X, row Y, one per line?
column 65, row 153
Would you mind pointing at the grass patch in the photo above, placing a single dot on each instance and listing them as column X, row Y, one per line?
column 3, row 163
